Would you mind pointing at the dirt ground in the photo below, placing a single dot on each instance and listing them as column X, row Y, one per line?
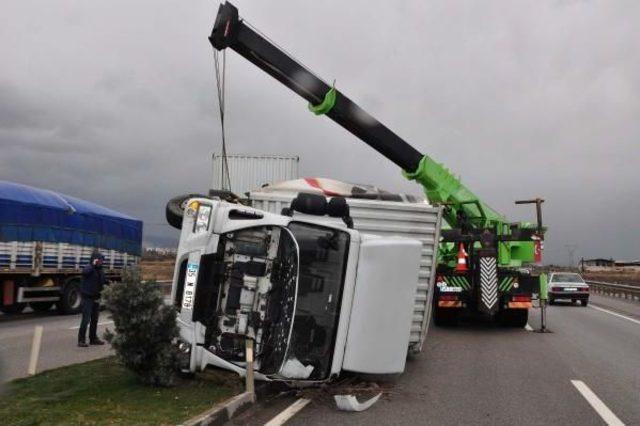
column 619, row 277
column 159, row 270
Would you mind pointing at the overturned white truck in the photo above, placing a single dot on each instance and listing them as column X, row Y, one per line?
column 315, row 293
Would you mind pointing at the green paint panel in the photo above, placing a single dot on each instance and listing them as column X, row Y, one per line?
column 442, row 187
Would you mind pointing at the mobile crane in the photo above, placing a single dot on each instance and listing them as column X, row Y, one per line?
column 482, row 256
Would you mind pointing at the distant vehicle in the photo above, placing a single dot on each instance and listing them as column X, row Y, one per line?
column 45, row 240
column 568, row 286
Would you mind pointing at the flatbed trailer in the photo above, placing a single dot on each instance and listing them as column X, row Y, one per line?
column 47, row 238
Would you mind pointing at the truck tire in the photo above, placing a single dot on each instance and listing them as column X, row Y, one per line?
column 176, row 206
column 516, row 318
column 445, row 317
column 40, row 306
column 70, row 298
column 16, row 308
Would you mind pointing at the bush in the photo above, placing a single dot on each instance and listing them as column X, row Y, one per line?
column 145, row 329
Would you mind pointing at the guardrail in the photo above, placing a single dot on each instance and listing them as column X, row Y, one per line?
column 616, row 290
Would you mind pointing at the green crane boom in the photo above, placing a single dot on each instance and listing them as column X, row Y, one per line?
column 468, row 216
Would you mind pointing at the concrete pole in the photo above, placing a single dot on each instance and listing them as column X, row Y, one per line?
column 35, row 350
column 249, row 381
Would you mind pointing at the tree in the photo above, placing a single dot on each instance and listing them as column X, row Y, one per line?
column 145, row 329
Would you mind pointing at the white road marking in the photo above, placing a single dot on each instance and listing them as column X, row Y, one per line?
column 597, row 404
column 76, row 327
column 528, row 327
column 288, row 413
column 615, row 314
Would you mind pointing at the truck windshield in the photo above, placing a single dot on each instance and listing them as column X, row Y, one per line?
column 567, row 278
column 323, row 261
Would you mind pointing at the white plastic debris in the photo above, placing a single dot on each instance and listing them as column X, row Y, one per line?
column 294, row 369
column 350, row 403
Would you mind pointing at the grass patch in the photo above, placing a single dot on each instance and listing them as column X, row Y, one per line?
column 103, row 392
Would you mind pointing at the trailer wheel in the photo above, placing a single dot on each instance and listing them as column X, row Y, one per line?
column 516, row 318
column 40, row 306
column 445, row 317
column 176, row 206
column 70, row 298
column 16, row 308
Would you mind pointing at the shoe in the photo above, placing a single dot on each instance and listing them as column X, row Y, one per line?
column 96, row 342
column 83, row 344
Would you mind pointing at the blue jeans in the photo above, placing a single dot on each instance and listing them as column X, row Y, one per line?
column 90, row 315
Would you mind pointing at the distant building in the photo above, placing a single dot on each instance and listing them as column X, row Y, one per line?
column 607, row 263
column 600, row 264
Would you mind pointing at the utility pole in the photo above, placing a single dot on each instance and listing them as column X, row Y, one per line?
column 571, row 249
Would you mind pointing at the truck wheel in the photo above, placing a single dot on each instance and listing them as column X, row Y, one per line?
column 40, row 306
column 516, row 318
column 70, row 298
column 16, row 308
column 176, row 206
column 445, row 317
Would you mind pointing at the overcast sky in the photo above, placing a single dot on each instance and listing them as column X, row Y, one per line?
column 114, row 102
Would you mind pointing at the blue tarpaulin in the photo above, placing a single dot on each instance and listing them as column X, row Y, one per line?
column 33, row 214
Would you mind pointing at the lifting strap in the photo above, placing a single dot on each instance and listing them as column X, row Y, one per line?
column 328, row 102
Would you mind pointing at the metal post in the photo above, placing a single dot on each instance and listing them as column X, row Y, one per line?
column 543, row 304
column 35, row 350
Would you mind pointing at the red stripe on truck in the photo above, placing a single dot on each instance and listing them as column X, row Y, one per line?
column 314, row 183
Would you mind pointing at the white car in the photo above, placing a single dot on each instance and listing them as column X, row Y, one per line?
column 568, row 286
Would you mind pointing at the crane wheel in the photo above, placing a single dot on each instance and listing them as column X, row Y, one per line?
column 445, row 317
column 516, row 318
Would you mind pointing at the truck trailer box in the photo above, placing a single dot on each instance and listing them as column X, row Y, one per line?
column 241, row 173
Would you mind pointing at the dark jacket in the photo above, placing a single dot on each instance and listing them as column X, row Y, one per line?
column 93, row 279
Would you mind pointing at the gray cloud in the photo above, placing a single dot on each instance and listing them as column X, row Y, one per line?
column 115, row 102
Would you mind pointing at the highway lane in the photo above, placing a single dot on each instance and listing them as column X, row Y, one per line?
column 482, row 374
column 58, row 343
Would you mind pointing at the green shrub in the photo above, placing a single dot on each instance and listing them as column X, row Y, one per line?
column 145, row 329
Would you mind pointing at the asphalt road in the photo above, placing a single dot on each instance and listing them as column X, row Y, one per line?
column 59, row 340
column 470, row 374
column 482, row 374
column 58, row 347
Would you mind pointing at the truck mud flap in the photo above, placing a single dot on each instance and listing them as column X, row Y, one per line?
column 488, row 285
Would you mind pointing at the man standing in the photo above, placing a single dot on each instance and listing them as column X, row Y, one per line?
column 93, row 281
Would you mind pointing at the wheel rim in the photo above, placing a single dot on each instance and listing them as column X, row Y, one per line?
column 74, row 298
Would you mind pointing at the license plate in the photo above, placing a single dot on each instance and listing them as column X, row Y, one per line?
column 570, row 289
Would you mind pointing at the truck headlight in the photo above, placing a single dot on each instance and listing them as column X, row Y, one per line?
column 184, row 355
column 203, row 216
column 184, row 347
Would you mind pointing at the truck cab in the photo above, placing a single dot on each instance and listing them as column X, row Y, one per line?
column 315, row 297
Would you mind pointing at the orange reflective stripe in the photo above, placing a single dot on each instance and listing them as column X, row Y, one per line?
column 449, row 304
column 519, row 305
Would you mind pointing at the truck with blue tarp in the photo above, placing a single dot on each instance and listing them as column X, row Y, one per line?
column 46, row 238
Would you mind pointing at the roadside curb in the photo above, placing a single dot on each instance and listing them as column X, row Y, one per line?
column 224, row 411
